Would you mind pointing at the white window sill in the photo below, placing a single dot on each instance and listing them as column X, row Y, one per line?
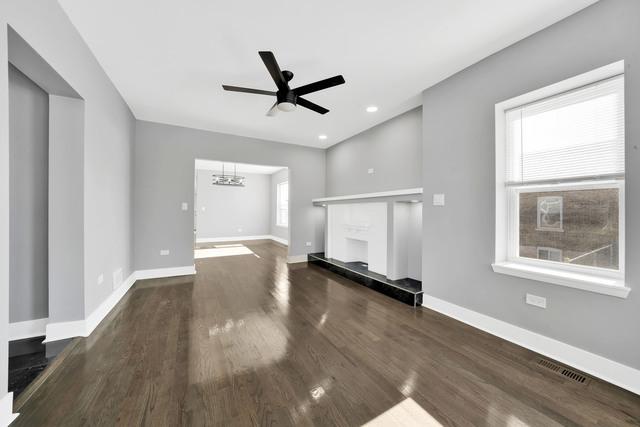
column 597, row 284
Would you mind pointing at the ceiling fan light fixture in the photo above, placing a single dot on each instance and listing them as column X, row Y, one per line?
column 286, row 106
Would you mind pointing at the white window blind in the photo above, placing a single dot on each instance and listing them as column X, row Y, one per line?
column 574, row 135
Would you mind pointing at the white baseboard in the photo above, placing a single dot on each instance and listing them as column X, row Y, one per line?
column 107, row 305
column 598, row 366
column 294, row 259
column 27, row 329
column 6, row 408
column 63, row 330
column 279, row 240
column 83, row 328
column 157, row 273
column 240, row 238
column 231, row 239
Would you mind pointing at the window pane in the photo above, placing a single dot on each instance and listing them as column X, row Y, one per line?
column 576, row 227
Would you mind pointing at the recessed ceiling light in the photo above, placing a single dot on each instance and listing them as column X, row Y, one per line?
column 372, row 109
column 322, row 137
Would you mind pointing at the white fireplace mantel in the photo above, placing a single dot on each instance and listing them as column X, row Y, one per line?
column 382, row 194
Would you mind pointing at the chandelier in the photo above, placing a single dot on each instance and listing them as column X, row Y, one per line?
column 223, row 179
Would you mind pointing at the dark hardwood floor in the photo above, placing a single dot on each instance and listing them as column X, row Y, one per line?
column 251, row 340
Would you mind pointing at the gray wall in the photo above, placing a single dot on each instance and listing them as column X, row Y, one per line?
column 108, row 136
column 393, row 149
column 232, row 211
column 165, row 161
column 276, row 230
column 66, row 213
column 458, row 157
column 29, row 160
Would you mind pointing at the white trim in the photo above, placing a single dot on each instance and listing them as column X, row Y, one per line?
column 241, row 238
column 598, row 366
column 6, row 408
column 279, row 240
column 232, row 239
column 157, row 273
column 585, row 282
column 107, row 305
column 583, row 79
column 84, row 328
column 63, row 330
column 27, row 329
column 404, row 192
column 507, row 261
column 294, row 259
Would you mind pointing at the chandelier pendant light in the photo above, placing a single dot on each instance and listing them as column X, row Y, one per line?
column 234, row 180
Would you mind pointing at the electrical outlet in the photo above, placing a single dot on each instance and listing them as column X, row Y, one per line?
column 185, row 206
column 307, row 244
column 536, row 301
column 164, row 252
column 100, row 279
column 438, row 200
column 370, row 171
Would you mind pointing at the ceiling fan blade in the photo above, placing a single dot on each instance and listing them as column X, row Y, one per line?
column 274, row 69
column 319, row 85
column 273, row 110
column 248, row 90
column 311, row 106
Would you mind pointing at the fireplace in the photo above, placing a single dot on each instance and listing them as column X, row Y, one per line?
column 357, row 232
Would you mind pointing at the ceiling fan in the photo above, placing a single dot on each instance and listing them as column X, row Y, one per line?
column 286, row 98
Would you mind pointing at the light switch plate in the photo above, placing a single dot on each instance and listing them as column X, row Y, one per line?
column 185, row 206
column 100, row 279
column 438, row 199
column 370, row 171
column 307, row 244
column 164, row 252
column 536, row 300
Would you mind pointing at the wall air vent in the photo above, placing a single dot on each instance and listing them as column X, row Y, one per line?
column 561, row 370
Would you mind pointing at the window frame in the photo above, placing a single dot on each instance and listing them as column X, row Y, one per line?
column 594, row 279
column 279, row 204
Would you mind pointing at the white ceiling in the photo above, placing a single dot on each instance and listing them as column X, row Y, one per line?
column 214, row 165
column 169, row 58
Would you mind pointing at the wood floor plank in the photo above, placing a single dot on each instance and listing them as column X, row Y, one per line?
column 251, row 340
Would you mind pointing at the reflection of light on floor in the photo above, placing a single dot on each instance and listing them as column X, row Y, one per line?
column 281, row 282
column 405, row 413
column 504, row 417
column 409, row 384
column 222, row 250
column 323, row 319
column 317, row 392
column 251, row 342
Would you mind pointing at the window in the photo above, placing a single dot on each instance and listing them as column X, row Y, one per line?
column 549, row 213
column 560, row 155
column 282, row 201
column 550, row 254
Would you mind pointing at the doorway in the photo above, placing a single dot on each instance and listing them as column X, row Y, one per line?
column 236, row 202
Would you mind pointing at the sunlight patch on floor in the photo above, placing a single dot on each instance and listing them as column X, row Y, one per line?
column 221, row 251
column 406, row 413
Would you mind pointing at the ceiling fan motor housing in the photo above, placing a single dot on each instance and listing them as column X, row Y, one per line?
column 287, row 100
